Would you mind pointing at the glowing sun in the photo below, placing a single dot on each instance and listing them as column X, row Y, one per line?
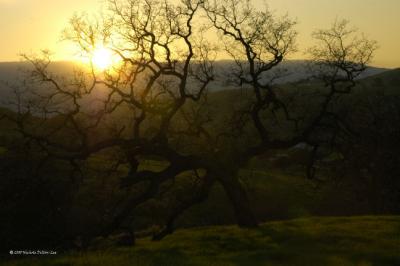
column 103, row 58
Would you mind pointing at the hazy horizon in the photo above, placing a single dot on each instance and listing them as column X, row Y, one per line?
column 219, row 60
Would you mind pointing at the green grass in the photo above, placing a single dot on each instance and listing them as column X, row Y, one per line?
column 328, row 241
column 3, row 150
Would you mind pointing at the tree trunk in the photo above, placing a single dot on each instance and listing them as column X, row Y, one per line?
column 239, row 200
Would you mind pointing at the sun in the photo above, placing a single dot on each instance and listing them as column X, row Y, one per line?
column 99, row 58
column 103, row 58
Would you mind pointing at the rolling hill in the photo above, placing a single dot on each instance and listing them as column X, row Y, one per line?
column 329, row 241
column 12, row 73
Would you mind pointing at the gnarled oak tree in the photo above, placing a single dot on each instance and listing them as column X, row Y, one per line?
column 152, row 103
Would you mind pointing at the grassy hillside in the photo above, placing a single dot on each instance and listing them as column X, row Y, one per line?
column 277, row 190
column 312, row 241
column 387, row 82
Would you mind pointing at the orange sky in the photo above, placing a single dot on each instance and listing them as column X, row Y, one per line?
column 31, row 25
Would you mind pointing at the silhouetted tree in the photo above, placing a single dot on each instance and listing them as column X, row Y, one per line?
column 153, row 103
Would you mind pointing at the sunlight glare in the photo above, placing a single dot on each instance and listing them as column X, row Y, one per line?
column 103, row 58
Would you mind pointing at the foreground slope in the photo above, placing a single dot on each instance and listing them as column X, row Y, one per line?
column 368, row 240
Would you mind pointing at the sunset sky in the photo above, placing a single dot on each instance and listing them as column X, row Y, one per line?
column 31, row 25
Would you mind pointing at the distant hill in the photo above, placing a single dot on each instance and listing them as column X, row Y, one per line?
column 11, row 71
column 388, row 82
column 290, row 71
column 12, row 75
column 384, row 80
column 286, row 72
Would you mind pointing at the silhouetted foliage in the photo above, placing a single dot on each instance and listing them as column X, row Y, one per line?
column 154, row 106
